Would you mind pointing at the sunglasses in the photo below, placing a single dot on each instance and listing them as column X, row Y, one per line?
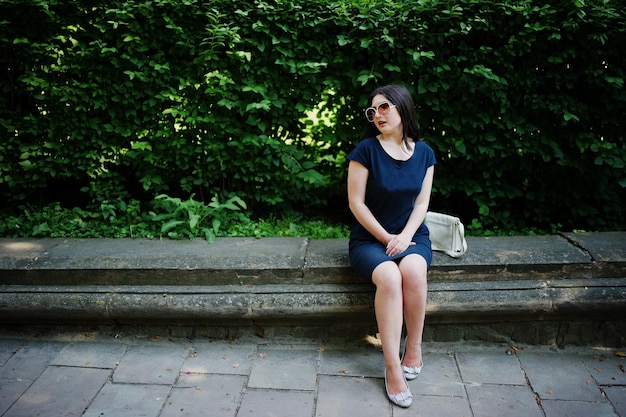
column 382, row 109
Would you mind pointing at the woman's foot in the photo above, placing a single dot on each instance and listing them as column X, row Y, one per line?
column 401, row 397
column 411, row 361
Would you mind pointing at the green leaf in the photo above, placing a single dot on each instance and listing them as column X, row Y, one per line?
column 209, row 235
column 170, row 225
column 194, row 219
column 216, row 225
column 617, row 81
column 343, row 40
column 567, row 116
column 393, row 68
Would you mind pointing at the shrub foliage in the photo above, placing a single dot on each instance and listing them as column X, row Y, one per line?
column 106, row 102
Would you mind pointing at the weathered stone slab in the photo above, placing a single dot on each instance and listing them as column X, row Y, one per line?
column 513, row 258
column 327, row 262
column 341, row 396
column 285, row 367
column 559, row 376
column 490, row 368
column 205, row 395
column 607, row 249
column 90, row 355
column 224, row 253
column 150, row 364
column 277, row 403
column 503, row 400
column 60, row 391
column 30, row 361
column 128, row 400
column 218, row 357
column 440, row 377
column 144, row 261
column 603, row 246
column 21, row 253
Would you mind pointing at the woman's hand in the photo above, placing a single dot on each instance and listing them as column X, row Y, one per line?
column 398, row 244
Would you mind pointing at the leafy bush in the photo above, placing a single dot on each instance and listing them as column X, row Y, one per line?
column 192, row 218
column 106, row 103
column 173, row 218
column 53, row 220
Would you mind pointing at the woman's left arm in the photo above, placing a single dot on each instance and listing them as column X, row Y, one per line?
column 402, row 241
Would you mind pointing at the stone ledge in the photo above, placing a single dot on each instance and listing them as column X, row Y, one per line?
column 274, row 281
column 447, row 302
column 293, row 260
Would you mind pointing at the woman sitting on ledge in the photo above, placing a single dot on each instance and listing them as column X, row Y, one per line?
column 390, row 177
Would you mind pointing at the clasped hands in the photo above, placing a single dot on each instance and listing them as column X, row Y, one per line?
column 397, row 244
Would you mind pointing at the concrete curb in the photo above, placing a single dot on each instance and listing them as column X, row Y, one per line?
column 293, row 281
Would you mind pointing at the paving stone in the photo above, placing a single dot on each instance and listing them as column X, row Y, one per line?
column 353, row 361
column 151, row 364
column 492, row 367
column 285, row 367
column 220, row 357
column 556, row 408
column 10, row 391
column 439, row 376
column 8, row 348
column 490, row 400
column 31, row 360
column 60, row 391
column 90, row 355
column 617, row 396
column 559, row 376
column 352, row 396
column 435, row 406
column 605, row 367
column 128, row 400
column 272, row 403
column 205, row 395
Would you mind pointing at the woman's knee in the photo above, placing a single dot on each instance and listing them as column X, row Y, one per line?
column 387, row 277
column 414, row 269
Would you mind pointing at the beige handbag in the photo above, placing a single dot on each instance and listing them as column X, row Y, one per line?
column 447, row 233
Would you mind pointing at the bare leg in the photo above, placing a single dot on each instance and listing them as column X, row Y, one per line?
column 389, row 312
column 414, row 270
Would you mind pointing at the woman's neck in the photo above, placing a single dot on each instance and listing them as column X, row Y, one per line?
column 392, row 137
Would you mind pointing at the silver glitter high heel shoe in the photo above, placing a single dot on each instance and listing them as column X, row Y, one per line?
column 403, row 399
column 410, row 372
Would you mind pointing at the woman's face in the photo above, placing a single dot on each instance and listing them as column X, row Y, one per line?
column 389, row 121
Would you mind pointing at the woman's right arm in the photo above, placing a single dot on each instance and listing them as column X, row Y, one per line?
column 357, row 182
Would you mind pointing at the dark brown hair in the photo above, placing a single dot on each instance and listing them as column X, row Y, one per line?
column 401, row 98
